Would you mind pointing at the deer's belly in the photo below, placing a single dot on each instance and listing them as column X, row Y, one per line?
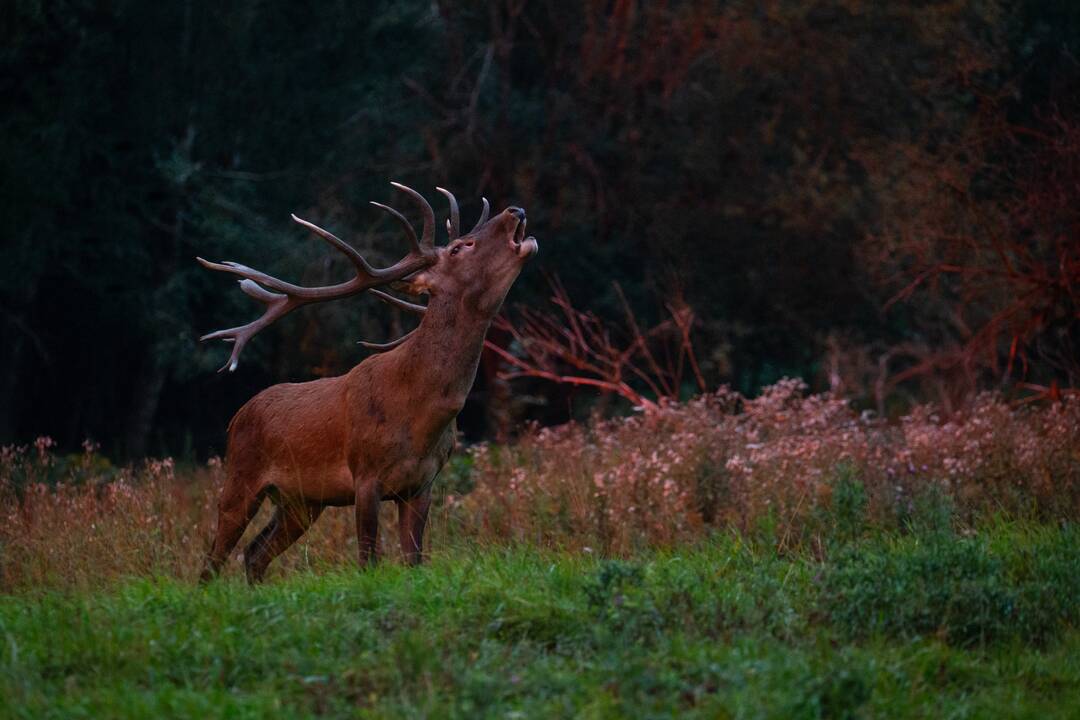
column 326, row 485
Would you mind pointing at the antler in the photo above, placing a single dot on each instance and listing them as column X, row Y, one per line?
column 399, row 303
column 289, row 297
column 453, row 224
column 453, row 230
column 483, row 216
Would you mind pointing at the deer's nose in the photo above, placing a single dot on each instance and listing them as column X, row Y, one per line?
column 519, row 212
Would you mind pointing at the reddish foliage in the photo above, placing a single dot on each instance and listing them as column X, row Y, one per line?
column 984, row 240
column 577, row 347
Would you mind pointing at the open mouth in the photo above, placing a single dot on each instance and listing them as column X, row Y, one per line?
column 524, row 246
column 519, row 232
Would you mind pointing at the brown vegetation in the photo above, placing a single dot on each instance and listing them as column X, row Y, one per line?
column 722, row 461
column 578, row 348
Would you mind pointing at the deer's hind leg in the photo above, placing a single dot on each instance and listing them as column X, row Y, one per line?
column 235, row 510
column 290, row 521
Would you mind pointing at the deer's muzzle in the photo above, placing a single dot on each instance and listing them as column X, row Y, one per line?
column 528, row 247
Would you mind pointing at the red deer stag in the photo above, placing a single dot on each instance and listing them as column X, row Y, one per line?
column 384, row 430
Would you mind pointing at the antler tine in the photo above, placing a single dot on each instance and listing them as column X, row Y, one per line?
column 453, row 225
column 399, row 303
column 403, row 222
column 383, row 347
column 307, row 294
column 427, row 242
column 349, row 251
column 483, row 216
column 277, row 305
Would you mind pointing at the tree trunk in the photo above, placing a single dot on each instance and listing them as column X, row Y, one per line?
column 144, row 406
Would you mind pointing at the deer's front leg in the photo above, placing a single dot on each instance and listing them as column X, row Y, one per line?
column 368, row 496
column 412, row 517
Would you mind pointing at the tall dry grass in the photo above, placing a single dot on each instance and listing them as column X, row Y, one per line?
column 723, row 460
column 779, row 463
column 76, row 521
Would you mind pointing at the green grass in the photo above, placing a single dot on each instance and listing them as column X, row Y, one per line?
column 917, row 625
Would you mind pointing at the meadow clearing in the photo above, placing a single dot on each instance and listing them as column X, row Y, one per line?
column 782, row 556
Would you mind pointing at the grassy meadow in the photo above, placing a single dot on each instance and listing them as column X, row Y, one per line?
column 776, row 557
column 913, row 626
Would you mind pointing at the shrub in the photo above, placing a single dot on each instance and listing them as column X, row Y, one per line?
column 809, row 466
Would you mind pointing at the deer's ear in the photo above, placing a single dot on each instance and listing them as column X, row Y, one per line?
column 420, row 282
column 416, row 284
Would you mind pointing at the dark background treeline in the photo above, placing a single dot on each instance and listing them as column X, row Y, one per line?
column 787, row 167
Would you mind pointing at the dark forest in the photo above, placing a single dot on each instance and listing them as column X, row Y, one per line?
column 878, row 198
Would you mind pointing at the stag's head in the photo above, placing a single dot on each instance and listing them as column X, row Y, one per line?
column 477, row 269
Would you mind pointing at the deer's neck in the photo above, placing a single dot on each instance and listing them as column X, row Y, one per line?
column 446, row 351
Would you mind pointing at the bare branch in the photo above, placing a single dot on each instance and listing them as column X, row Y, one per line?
column 574, row 347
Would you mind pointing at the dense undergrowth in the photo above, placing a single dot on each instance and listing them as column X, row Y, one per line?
column 796, row 471
column 914, row 625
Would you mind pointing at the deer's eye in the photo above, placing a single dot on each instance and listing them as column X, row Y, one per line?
column 455, row 250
